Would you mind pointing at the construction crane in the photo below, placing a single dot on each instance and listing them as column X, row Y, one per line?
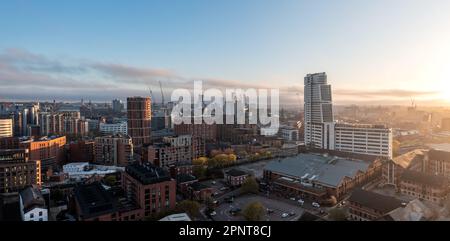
column 162, row 94
column 150, row 91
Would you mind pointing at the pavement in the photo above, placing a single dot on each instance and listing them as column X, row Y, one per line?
column 278, row 207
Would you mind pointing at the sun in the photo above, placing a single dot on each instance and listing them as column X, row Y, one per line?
column 444, row 92
column 444, row 87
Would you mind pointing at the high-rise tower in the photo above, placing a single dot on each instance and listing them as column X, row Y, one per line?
column 139, row 114
column 318, row 111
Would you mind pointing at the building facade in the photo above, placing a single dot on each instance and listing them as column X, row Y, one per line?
column 320, row 177
column 81, row 151
column 32, row 205
column 318, row 108
column 17, row 171
column 370, row 206
column 116, row 128
column 321, row 131
column 174, row 151
column 425, row 186
column 116, row 150
column 139, row 115
column 149, row 187
column 6, row 127
column 373, row 140
column 235, row 177
column 49, row 150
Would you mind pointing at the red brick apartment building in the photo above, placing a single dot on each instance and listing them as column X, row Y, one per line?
column 149, row 187
column 203, row 130
column 174, row 151
column 17, row 171
column 49, row 150
column 81, row 151
column 139, row 115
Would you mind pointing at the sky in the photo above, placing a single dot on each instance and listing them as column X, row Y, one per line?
column 374, row 52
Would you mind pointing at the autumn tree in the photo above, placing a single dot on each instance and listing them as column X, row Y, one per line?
column 254, row 212
column 250, row 185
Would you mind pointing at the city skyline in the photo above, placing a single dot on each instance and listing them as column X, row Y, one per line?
column 373, row 54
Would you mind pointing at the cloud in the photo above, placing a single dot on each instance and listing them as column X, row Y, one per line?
column 27, row 75
column 138, row 75
column 383, row 93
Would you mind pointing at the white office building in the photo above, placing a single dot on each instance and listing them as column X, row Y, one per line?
column 321, row 131
column 112, row 129
column 366, row 139
column 289, row 133
column 318, row 108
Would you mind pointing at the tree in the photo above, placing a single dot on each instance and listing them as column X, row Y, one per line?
column 228, row 151
column 337, row 214
column 232, row 158
column 250, row 185
column 254, row 212
column 190, row 207
column 200, row 161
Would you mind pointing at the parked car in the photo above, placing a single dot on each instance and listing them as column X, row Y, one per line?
column 213, row 213
column 292, row 198
column 316, row 205
column 269, row 211
column 213, row 182
column 301, row 202
column 284, row 215
column 235, row 211
column 292, row 214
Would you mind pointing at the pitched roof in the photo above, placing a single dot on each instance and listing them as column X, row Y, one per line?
column 406, row 159
column 413, row 211
column 375, row 201
column 327, row 170
column 424, row 178
column 32, row 198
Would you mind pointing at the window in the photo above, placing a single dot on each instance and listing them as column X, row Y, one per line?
column 40, row 214
column 32, row 215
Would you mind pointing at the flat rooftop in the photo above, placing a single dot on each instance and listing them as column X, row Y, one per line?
column 327, row 170
column 94, row 200
column 147, row 173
